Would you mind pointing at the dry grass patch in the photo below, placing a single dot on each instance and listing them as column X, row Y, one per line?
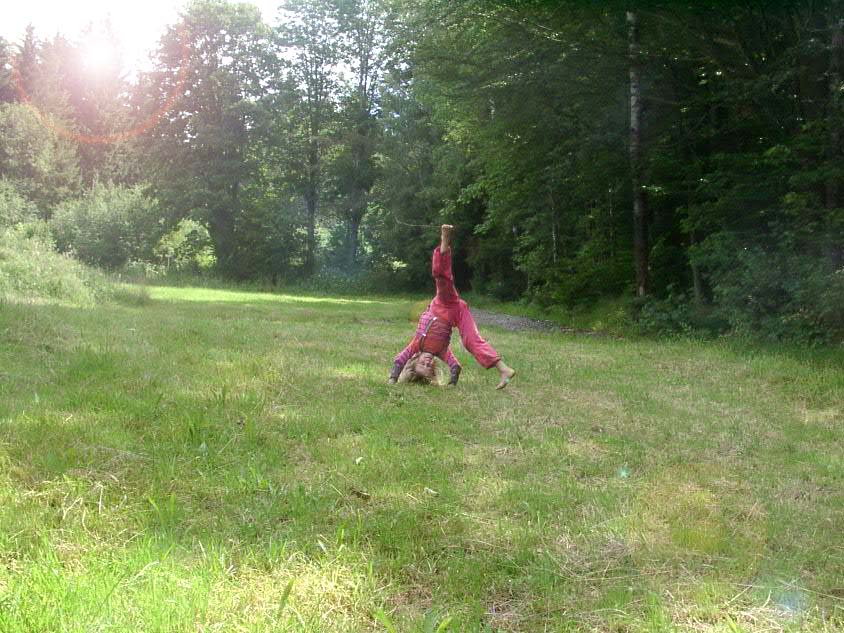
column 829, row 418
column 327, row 595
column 692, row 511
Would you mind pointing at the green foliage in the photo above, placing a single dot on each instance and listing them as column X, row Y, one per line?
column 41, row 166
column 109, row 225
column 345, row 135
column 7, row 85
column 678, row 313
column 227, row 46
column 305, row 109
column 90, row 114
column 14, row 208
column 340, row 280
column 774, row 293
column 187, row 248
column 31, row 270
column 402, row 224
column 271, row 236
column 544, row 181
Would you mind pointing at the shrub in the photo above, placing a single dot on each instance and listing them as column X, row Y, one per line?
column 187, row 248
column 108, row 226
column 140, row 270
column 679, row 314
column 774, row 292
column 31, row 270
column 14, row 208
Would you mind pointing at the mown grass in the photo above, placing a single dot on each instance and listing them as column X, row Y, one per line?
column 200, row 460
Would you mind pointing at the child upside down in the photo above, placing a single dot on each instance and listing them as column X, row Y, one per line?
column 433, row 333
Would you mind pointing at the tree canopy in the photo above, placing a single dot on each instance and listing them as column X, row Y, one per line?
column 685, row 155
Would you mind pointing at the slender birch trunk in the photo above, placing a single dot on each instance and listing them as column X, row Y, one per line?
column 640, row 233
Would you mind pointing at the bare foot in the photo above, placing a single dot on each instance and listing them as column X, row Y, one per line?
column 445, row 237
column 507, row 374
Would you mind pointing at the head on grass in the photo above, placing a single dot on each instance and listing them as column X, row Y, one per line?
column 420, row 368
column 424, row 366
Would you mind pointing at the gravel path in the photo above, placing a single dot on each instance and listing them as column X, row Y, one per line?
column 519, row 323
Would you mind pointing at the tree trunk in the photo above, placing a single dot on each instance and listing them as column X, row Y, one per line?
column 312, row 195
column 222, row 234
column 553, row 227
column 697, row 278
column 311, row 208
column 640, row 232
column 354, row 229
column 835, row 54
column 833, row 183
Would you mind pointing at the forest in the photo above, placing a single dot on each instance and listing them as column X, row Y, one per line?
column 681, row 158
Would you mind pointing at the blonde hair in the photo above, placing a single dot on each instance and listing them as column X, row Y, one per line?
column 410, row 375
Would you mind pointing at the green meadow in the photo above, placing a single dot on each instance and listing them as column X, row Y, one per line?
column 187, row 459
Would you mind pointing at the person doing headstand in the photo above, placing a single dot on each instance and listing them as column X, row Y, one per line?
column 433, row 332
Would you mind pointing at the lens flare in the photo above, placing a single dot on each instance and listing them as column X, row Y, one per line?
column 107, row 55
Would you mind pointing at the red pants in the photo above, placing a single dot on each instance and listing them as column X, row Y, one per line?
column 460, row 317
column 449, row 306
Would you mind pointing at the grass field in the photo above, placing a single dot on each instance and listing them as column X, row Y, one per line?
column 211, row 460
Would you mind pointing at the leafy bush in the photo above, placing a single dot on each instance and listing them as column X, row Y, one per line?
column 139, row 269
column 14, row 208
column 774, row 292
column 32, row 270
column 679, row 314
column 585, row 281
column 187, row 248
column 108, row 226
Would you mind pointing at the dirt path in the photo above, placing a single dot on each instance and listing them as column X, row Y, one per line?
column 519, row 323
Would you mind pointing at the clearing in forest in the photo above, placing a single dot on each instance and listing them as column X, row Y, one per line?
column 218, row 460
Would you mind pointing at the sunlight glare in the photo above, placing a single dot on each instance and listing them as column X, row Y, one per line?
column 98, row 56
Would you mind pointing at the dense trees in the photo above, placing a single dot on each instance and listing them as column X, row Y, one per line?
column 689, row 154
column 40, row 164
column 307, row 37
column 200, row 160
